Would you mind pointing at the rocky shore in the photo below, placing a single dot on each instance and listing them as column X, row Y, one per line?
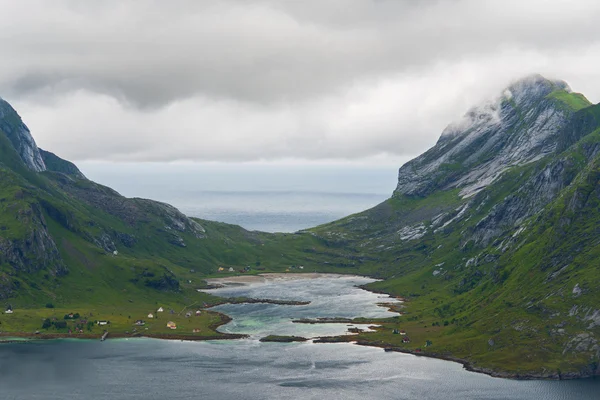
column 245, row 300
column 283, row 339
column 468, row 365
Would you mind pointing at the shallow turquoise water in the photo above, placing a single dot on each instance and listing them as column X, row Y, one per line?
column 249, row 369
column 331, row 296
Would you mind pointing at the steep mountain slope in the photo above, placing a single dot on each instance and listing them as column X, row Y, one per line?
column 17, row 132
column 493, row 233
column 64, row 238
column 491, row 236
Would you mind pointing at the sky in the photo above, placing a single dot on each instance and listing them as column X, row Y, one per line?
column 361, row 82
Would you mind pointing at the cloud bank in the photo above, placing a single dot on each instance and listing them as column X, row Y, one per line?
column 271, row 80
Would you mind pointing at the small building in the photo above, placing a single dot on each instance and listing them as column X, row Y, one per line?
column 8, row 311
column 230, row 269
column 139, row 322
column 405, row 339
column 403, row 332
column 102, row 322
column 171, row 325
column 221, row 269
column 150, row 315
column 160, row 309
column 115, row 253
column 198, row 313
column 196, row 330
column 395, row 331
column 188, row 314
column 301, row 267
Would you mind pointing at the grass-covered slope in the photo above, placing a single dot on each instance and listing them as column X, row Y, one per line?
column 506, row 279
column 491, row 237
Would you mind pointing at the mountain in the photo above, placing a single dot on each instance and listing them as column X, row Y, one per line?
column 67, row 240
column 19, row 136
column 491, row 237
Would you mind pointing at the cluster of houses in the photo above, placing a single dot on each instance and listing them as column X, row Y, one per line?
column 231, row 269
column 151, row 315
column 170, row 324
column 189, row 313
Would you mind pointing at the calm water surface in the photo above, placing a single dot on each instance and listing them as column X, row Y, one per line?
column 248, row 369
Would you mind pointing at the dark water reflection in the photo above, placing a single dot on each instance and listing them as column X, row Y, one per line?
column 247, row 369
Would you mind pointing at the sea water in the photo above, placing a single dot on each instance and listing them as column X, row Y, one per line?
column 249, row 369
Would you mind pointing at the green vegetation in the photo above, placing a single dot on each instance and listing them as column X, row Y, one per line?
column 505, row 278
column 573, row 101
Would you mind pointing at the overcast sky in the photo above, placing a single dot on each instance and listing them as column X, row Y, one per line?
column 370, row 81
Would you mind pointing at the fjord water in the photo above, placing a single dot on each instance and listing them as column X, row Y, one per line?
column 330, row 296
column 249, row 369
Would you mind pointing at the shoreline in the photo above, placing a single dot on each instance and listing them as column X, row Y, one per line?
column 467, row 365
column 32, row 336
column 243, row 280
column 350, row 339
column 251, row 300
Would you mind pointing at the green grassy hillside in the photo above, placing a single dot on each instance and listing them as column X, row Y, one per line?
column 499, row 270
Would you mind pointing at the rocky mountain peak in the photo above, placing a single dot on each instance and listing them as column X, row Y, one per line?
column 533, row 88
column 20, row 137
column 518, row 126
column 522, row 93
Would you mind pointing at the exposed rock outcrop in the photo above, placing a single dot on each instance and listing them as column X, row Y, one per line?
column 20, row 137
column 520, row 126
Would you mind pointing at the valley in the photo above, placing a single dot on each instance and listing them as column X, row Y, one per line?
column 490, row 238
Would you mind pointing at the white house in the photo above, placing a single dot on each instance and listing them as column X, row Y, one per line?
column 115, row 253
column 160, row 309
column 9, row 311
column 150, row 315
column 102, row 322
column 230, row 269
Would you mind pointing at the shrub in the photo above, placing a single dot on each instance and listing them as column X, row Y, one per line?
column 60, row 324
column 49, row 305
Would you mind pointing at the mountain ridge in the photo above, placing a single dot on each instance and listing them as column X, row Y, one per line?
column 490, row 236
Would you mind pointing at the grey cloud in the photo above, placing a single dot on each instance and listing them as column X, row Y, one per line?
column 246, row 80
column 152, row 53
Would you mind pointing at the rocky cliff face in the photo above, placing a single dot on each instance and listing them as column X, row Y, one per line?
column 497, row 226
column 55, row 221
column 20, row 137
column 520, row 126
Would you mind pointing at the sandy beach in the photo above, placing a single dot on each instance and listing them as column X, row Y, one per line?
column 263, row 278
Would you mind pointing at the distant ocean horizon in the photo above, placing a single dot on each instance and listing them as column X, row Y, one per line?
column 268, row 199
column 287, row 211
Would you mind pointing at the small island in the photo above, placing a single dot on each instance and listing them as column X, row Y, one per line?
column 283, row 339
